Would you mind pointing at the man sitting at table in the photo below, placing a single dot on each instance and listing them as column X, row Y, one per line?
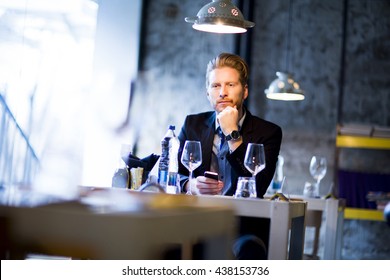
column 224, row 135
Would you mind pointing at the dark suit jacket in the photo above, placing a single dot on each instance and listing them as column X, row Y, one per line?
column 201, row 127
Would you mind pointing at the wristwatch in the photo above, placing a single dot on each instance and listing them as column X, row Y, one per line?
column 234, row 135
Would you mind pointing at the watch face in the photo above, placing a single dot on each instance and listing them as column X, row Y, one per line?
column 235, row 135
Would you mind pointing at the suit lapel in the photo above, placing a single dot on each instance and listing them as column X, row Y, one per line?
column 207, row 138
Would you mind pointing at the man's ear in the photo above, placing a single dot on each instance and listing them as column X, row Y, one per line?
column 246, row 91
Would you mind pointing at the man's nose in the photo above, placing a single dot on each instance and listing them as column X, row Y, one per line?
column 222, row 91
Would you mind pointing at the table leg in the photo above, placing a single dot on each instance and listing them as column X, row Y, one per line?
column 331, row 228
column 279, row 232
column 339, row 237
column 297, row 238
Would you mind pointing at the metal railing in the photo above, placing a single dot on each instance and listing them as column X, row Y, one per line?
column 18, row 160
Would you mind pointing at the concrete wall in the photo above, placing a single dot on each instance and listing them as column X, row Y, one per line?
column 171, row 82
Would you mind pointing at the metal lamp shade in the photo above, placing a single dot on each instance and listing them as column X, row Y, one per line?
column 284, row 88
column 220, row 16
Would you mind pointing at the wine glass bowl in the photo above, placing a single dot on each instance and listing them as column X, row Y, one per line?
column 191, row 158
column 254, row 158
column 318, row 167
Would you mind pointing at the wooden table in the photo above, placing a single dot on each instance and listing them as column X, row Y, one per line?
column 109, row 232
column 96, row 228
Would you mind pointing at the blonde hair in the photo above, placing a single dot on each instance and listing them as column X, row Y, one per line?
column 229, row 60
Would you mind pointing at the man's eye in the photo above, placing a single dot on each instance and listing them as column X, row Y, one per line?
column 231, row 85
column 214, row 86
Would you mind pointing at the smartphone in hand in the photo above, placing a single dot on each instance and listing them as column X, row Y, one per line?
column 211, row 175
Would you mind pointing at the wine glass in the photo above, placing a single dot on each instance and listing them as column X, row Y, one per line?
column 255, row 162
column 254, row 158
column 317, row 169
column 191, row 158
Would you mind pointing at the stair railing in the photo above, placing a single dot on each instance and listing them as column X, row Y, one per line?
column 18, row 160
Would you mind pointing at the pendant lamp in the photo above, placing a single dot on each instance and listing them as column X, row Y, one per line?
column 220, row 16
column 284, row 87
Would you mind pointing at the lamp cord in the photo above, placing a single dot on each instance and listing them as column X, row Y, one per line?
column 342, row 62
column 288, row 47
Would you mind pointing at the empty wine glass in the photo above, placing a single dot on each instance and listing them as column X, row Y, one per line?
column 191, row 158
column 317, row 169
column 254, row 160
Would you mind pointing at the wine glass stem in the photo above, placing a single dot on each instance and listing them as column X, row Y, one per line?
column 189, row 191
column 317, row 190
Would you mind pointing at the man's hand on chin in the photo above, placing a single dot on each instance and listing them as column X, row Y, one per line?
column 228, row 119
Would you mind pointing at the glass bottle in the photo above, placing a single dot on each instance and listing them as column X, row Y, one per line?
column 277, row 180
column 163, row 168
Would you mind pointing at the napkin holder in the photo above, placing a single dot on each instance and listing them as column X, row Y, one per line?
column 146, row 163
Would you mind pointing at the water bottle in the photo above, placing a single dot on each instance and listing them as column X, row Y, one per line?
column 173, row 184
column 278, row 176
column 121, row 177
column 163, row 168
